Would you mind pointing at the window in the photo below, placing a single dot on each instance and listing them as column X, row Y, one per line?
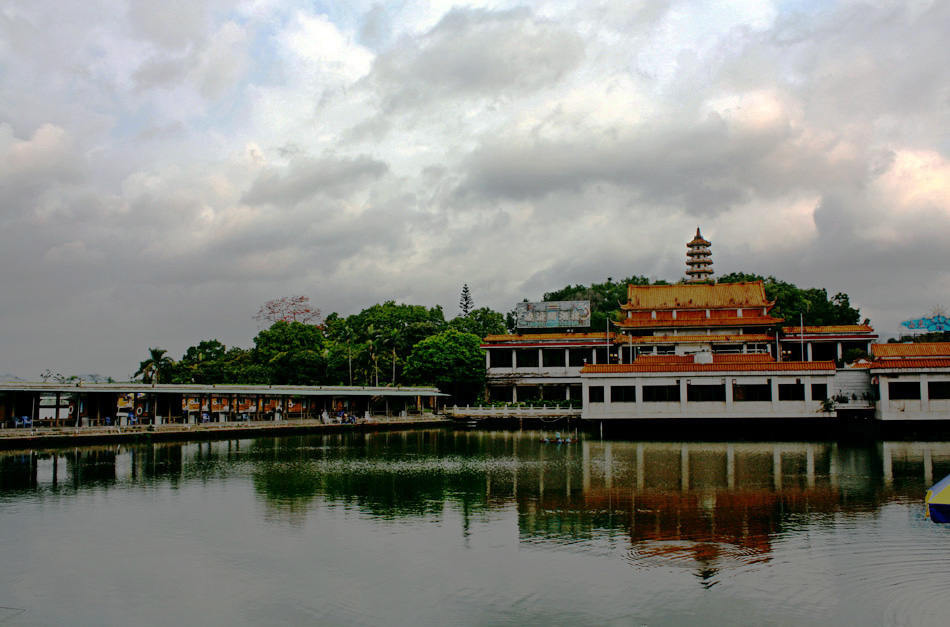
column 938, row 390
column 601, row 355
column 706, row 393
column 791, row 392
column 819, row 391
column 661, row 393
column 623, row 394
column 904, row 390
column 528, row 358
column 499, row 358
column 578, row 356
column 500, row 393
column 762, row 392
column 595, row 394
column 553, row 357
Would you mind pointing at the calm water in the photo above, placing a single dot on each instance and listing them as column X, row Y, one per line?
column 445, row 527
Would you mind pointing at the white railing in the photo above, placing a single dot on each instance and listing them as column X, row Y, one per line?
column 509, row 411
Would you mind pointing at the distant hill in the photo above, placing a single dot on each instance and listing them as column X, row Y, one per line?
column 9, row 378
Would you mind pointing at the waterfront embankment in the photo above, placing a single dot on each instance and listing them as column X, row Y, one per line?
column 72, row 436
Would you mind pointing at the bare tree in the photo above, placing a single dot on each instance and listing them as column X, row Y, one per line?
column 294, row 308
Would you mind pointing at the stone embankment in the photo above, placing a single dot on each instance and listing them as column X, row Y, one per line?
column 11, row 438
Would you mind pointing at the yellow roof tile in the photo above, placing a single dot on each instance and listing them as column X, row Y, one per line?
column 834, row 328
column 701, row 295
column 921, row 349
column 534, row 337
column 784, row 366
column 692, row 339
column 913, row 362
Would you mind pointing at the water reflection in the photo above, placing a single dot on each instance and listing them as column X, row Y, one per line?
column 692, row 494
column 826, row 526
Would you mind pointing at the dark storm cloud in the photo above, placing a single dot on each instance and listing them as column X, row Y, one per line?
column 476, row 53
column 706, row 168
column 305, row 177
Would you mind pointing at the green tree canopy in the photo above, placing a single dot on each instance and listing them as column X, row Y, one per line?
column 453, row 361
column 157, row 368
column 291, row 353
column 812, row 304
column 205, row 363
column 605, row 298
column 481, row 322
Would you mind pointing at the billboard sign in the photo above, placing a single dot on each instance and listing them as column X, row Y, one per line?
column 554, row 314
column 932, row 324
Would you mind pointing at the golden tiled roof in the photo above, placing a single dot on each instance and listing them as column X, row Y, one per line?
column 664, row 359
column 699, row 240
column 534, row 337
column 718, row 321
column 718, row 358
column 742, row 358
column 692, row 339
column 833, row 328
column 783, row 366
column 912, row 363
column 921, row 349
column 695, row 296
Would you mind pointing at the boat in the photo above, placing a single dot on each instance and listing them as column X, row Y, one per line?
column 557, row 439
column 938, row 501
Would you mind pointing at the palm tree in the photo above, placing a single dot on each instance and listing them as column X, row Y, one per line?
column 374, row 340
column 393, row 337
column 154, row 369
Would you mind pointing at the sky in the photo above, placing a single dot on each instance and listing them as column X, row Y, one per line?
column 167, row 167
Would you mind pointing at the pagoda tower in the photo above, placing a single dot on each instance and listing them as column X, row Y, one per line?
column 698, row 259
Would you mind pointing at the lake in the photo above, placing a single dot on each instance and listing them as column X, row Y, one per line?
column 449, row 526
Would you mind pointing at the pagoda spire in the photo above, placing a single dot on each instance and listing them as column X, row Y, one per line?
column 698, row 259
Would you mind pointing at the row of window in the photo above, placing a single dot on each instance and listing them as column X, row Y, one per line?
column 706, row 393
column 576, row 357
column 910, row 390
column 549, row 357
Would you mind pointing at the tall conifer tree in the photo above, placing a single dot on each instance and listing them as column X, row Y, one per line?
column 466, row 304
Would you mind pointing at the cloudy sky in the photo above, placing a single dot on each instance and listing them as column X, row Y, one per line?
column 166, row 167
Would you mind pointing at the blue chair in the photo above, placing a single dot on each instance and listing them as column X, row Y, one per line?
column 26, row 421
column 204, row 417
column 132, row 419
column 108, row 421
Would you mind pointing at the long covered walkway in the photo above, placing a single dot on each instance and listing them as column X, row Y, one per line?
column 56, row 405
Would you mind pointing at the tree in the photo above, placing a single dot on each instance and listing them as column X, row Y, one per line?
column 605, row 298
column 811, row 306
column 294, row 308
column 157, row 368
column 466, row 304
column 453, row 361
column 205, row 363
column 291, row 353
column 481, row 322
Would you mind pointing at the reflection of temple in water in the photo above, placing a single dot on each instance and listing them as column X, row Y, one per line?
column 701, row 504
column 698, row 505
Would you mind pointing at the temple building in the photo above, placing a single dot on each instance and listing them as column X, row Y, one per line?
column 698, row 259
column 816, row 343
column 686, row 319
column 536, row 366
column 692, row 350
column 911, row 381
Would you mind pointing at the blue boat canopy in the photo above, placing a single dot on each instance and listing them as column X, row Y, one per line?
column 938, row 501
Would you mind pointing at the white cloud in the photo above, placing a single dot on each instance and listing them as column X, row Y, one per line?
column 167, row 167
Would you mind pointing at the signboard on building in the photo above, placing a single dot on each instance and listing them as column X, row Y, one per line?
column 554, row 314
